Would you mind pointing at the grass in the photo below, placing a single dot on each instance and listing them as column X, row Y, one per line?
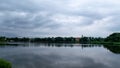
column 5, row 64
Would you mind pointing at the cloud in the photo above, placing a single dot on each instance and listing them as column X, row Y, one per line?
column 59, row 17
column 25, row 22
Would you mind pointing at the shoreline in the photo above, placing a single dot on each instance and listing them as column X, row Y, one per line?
column 24, row 43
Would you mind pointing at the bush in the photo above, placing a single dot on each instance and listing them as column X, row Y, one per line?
column 5, row 64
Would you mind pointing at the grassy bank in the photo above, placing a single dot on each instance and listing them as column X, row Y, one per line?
column 5, row 64
column 9, row 44
column 4, row 44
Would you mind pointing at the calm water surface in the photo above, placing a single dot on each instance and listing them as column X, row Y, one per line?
column 62, row 56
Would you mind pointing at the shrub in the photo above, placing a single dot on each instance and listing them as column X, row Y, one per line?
column 5, row 64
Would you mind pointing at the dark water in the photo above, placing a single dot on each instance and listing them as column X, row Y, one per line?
column 62, row 56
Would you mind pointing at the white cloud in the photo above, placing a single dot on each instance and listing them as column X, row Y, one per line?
column 71, row 20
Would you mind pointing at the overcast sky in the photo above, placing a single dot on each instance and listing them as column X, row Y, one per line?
column 43, row 18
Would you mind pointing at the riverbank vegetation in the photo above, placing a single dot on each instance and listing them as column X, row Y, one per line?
column 111, row 39
column 5, row 64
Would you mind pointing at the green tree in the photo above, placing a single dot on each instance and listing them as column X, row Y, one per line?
column 115, row 37
column 2, row 39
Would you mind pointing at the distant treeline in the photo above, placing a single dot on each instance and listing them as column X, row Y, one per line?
column 115, row 37
column 54, row 39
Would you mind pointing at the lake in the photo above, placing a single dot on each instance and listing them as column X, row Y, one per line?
column 41, row 55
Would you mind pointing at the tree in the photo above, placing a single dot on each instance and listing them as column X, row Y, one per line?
column 115, row 37
column 2, row 39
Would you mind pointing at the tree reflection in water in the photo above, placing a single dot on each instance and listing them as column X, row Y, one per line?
column 113, row 48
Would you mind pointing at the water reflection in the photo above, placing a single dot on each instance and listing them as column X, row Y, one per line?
column 65, row 45
column 46, row 55
column 113, row 48
column 50, row 45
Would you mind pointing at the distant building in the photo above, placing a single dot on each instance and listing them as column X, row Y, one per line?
column 77, row 39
